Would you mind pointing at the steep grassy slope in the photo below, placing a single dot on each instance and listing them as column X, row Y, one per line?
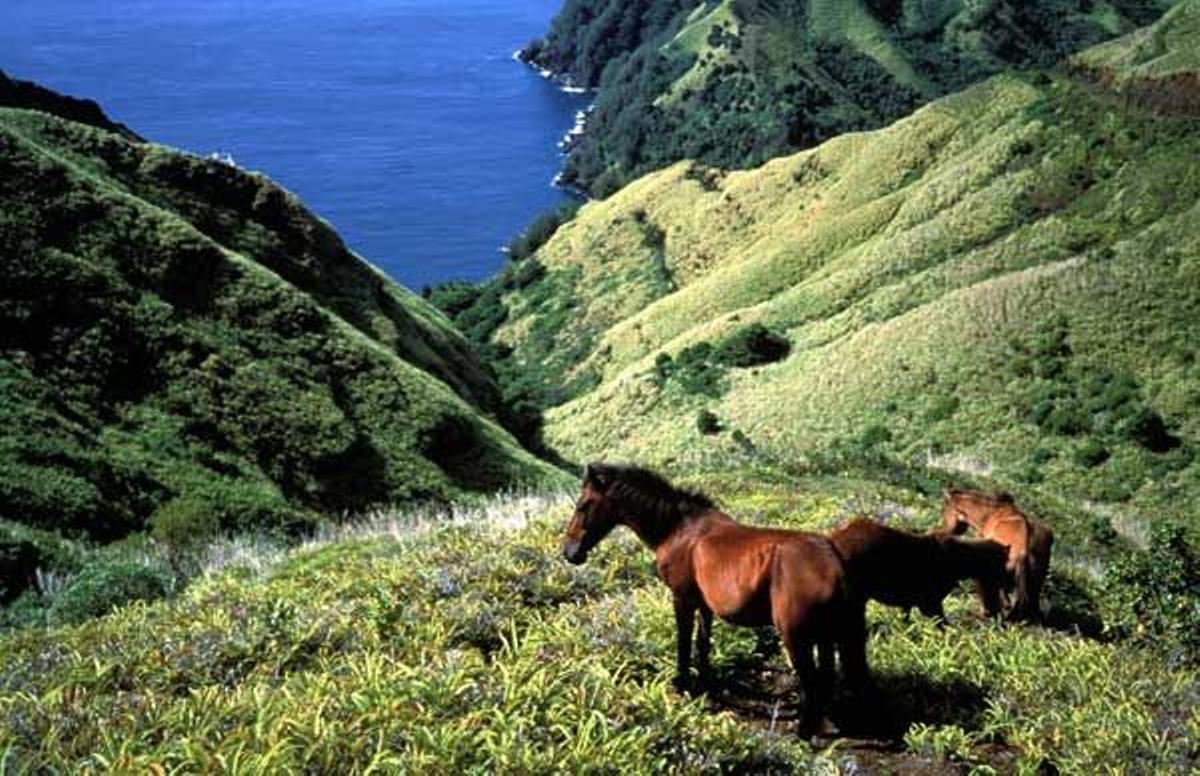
column 412, row 646
column 1005, row 281
column 183, row 346
column 736, row 82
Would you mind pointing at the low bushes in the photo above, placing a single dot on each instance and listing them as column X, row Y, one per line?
column 700, row 368
column 105, row 585
column 1151, row 595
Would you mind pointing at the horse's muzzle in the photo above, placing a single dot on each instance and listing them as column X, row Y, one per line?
column 574, row 553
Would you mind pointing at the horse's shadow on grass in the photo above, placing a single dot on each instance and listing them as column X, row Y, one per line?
column 1071, row 608
column 762, row 689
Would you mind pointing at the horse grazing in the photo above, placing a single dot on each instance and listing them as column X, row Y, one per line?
column 909, row 570
column 745, row 575
column 995, row 516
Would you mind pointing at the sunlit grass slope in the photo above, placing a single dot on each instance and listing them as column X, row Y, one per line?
column 1006, row 281
column 184, row 347
column 413, row 644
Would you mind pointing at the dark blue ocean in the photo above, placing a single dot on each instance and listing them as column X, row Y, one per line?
column 405, row 123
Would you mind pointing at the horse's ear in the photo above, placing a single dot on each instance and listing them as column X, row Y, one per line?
column 597, row 475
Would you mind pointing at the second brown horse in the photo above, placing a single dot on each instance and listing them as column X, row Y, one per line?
column 996, row 517
column 744, row 575
column 909, row 570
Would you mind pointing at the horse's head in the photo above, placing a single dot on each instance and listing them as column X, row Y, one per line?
column 595, row 514
column 954, row 518
column 962, row 509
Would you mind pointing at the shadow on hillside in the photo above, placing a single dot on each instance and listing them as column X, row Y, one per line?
column 1071, row 608
column 764, row 691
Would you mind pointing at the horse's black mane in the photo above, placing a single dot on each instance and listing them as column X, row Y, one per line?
column 649, row 492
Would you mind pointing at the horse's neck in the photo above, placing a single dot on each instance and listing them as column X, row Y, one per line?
column 980, row 515
column 654, row 530
column 659, row 530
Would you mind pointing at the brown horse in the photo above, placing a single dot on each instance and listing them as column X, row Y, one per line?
column 995, row 516
column 909, row 570
column 745, row 575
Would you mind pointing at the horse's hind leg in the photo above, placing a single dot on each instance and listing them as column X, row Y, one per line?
column 800, row 653
column 852, row 646
column 1020, row 607
column 826, row 669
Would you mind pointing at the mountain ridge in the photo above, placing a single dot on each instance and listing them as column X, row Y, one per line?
column 734, row 83
column 186, row 348
column 949, row 232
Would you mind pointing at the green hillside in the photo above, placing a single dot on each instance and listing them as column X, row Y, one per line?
column 185, row 348
column 410, row 645
column 1004, row 283
column 736, row 82
column 1002, row 290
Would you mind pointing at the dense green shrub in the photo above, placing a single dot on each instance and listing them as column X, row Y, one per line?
column 695, row 369
column 1153, row 595
column 752, row 345
column 1066, row 398
column 19, row 562
column 105, row 585
column 452, row 297
column 1091, row 454
column 541, row 230
column 941, row 408
column 708, row 423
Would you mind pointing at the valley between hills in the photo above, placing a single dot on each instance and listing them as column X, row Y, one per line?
column 264, row 510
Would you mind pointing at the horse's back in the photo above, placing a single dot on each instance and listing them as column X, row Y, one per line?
column 888, row 565
column 745, row 573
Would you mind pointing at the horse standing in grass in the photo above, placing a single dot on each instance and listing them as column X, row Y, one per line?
column 745, row 575
column 909, row 570
column 996, row 517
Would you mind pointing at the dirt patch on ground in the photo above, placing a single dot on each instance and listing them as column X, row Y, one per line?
column 763, row 691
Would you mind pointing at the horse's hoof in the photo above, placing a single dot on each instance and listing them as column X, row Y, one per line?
column 681, row 683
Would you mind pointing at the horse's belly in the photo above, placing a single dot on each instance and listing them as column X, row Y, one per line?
column 738, row 600
column 750, row 612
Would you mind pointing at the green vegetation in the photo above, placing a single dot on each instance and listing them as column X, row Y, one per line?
column 1002, row 283
column 411, row 644
column 736, row 82
column 998, row 291
column 184, row 349
column 539, row 232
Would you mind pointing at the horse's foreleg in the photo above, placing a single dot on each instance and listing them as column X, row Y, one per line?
column 933, row 608
column 852, row 646
column 685, row 621
column 989, row 598
column 704, row 642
